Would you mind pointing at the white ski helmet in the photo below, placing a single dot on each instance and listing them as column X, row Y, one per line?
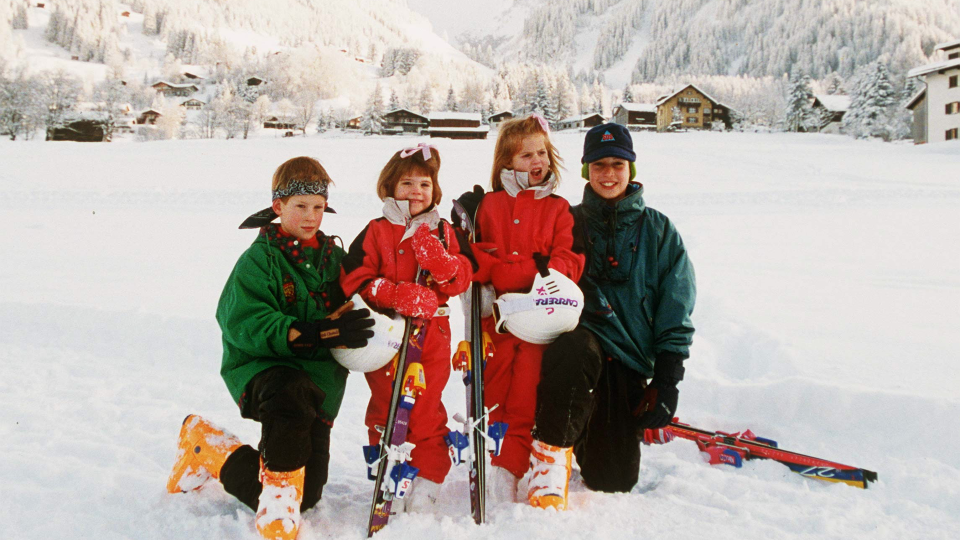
column 380, row 349
column 551, row 308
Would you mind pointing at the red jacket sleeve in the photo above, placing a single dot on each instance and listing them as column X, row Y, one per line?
column 361, row 264
column 461, row 280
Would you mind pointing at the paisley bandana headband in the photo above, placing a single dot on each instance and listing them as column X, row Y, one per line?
column 299, row 187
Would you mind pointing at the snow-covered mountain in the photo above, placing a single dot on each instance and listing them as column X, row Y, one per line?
column 648, row 39
column 143, row 35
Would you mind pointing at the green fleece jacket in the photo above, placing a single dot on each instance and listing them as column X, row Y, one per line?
column 638, row 285
column 276, row 282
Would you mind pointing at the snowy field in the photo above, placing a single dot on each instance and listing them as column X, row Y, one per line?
column 828, row 318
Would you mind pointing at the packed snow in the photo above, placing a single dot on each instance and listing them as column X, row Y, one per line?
column 828, row 274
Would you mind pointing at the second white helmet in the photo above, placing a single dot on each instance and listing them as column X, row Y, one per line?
column 551, row 308
column 380, row 349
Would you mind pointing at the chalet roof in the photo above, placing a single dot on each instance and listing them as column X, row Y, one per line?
column 706, row 95
column 154, row 111
column 474, row 129
column 833, row 102
column 174, row 85
column 915, row 100
column 937, row 66
column 406, row 111
column 189, row 99
column 452, row 115
column 947, row 45
column 580, row 117
column 639, row 107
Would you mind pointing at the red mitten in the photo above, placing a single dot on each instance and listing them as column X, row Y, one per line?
column 432, row 256
column 380, row 293
column 513, row 276
column 414, row 300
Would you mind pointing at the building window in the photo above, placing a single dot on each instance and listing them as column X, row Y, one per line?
column 691, row 120
column 953, row 81
column 953, row 56
column 706, row 111
column 951, row 134
column 953, row 108
column 691, row 110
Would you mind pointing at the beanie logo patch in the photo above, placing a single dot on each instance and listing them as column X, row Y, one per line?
column 607, row 137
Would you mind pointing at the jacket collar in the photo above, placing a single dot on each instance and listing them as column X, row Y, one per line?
column 290, row 246
column 398, row 213
column 514, row 182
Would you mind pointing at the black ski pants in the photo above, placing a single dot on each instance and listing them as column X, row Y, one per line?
column 586, row 400
column 286, row 403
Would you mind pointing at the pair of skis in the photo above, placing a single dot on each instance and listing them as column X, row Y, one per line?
column 394, row 475
column 470, row 444
column 390, row 459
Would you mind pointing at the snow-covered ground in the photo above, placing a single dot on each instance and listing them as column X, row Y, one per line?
column 827, row 319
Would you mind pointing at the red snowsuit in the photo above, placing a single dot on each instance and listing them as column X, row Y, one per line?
column 381, row 251
column 510, row 230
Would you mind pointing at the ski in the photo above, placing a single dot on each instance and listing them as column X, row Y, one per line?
column 390, row 458
column 470, row 444
column 734, row 448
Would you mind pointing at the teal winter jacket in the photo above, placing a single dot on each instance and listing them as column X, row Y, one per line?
column 638, row 285
column 274, row 283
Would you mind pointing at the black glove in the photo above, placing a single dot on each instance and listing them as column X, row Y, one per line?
column 659, row 403
column 344, row 329
column 470, row 201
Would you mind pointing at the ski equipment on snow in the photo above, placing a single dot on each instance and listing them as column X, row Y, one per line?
column 734, row 448
column 470, row 444
column 394, row 474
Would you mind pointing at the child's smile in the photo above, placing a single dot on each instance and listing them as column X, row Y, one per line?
column 416, row 189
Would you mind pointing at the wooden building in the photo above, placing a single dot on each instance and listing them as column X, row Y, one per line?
column 496, row 119
column 581, row 121
column 831, row 108
column 193, row 104
column 636, row 116
column 174, row 89
column 148, row 117
column 690, row 108
column 457, row 125
column 276, row 122
column 936, row 108
column 405, row 121
column 255, row 81
column 82, row 128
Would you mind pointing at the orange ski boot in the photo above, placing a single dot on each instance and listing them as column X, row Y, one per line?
column 278, row 514
column 550, row 477
column 203, row 447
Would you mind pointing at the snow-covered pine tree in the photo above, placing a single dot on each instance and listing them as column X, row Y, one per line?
column 541, row 99
column 833, row 84
column 394, row 103
column 451, row 103
column 563, row 100
column 628, row 94
column 425, row 102
column 61, row 92
column 873, row 105
column 799, row 100
column 373, row 115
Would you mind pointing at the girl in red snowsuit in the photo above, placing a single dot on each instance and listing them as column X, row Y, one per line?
column 520, row 218
column 382, row 265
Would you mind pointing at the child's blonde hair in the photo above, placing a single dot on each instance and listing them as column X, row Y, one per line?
column 512, row 133
column 414, row 163
column 303, row 169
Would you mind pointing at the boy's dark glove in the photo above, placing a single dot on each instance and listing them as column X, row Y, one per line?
column 470, row 201
column 659, row 403
column 345, row 328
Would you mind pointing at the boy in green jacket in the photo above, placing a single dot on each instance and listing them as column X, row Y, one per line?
column 281, row 312
column 594, row 399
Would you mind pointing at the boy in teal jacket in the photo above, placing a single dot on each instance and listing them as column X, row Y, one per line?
column 594, row 399
column 281, row 311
